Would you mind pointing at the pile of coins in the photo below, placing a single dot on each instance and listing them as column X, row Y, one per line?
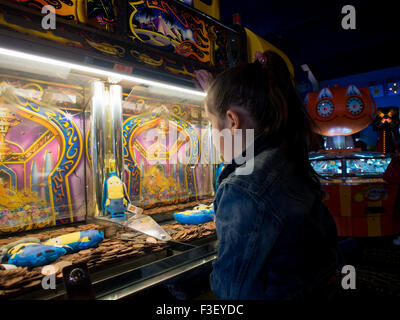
column 114, row 250
column 121, row 246
column 183, row 232
column 18, row 279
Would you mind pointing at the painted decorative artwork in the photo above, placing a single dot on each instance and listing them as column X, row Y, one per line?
column 161, row 35
column 166, row 152
column 188, row 2
column 41, row 167
column 167, row 27
column 100, row 14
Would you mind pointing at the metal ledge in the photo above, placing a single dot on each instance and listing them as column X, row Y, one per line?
column 128, row 277
column 133, row 281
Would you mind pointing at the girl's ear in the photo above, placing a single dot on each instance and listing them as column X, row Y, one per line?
column 232, row 120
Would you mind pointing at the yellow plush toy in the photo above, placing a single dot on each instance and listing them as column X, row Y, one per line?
column 115, row 199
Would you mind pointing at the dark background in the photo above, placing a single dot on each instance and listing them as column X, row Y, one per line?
column 310, row 32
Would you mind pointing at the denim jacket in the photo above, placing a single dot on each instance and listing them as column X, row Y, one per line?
column 277, row 241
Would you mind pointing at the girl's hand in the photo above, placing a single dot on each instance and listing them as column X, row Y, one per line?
column 204, row 78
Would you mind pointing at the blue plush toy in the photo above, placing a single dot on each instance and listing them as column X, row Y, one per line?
column 76, row 241
column 33, row 254
column 199, row 215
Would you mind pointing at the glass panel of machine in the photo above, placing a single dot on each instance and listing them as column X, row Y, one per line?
column 367, row 167
column 42, row 168
column 167, row 148
column 327, row 167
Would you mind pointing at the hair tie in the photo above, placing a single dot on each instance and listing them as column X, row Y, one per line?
column 261, row 58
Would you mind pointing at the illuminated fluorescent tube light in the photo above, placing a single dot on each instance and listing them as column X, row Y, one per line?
column 96, row 71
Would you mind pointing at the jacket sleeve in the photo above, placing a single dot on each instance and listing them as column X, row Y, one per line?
column 247, row 230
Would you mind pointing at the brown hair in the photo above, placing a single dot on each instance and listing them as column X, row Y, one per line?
column 267, row 92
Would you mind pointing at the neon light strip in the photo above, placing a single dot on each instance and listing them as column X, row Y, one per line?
column 96, row 71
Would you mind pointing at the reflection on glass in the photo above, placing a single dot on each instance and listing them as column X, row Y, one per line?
column 42, row 180
column 366, row 164
column 327, row 167
column 166, row 149
column 372, row 166
column 46, row 131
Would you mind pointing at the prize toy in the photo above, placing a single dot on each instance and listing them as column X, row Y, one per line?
column 76, row 241
column 198, row 215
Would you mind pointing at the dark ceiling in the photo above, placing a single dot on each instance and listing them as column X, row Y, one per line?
column 310, row 32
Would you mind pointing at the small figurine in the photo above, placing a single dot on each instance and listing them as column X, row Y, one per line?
column 115, row 197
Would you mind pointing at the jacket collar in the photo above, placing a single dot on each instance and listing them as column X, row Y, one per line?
column 260, row 144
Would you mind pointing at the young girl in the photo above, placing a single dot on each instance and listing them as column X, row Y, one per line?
column 276, row 238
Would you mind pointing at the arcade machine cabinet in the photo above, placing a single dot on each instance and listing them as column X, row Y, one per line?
column 110, row 90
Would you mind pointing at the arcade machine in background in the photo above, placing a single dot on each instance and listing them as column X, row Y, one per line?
column 365, row 207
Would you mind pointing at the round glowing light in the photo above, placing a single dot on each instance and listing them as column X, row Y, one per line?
column 394, row 88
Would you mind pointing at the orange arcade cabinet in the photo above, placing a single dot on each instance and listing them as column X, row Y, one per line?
column 362, row 203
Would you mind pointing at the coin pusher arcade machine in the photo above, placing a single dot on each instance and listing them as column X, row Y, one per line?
column 108, row 93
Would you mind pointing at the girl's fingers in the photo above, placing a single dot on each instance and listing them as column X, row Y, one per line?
column 204, row 78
